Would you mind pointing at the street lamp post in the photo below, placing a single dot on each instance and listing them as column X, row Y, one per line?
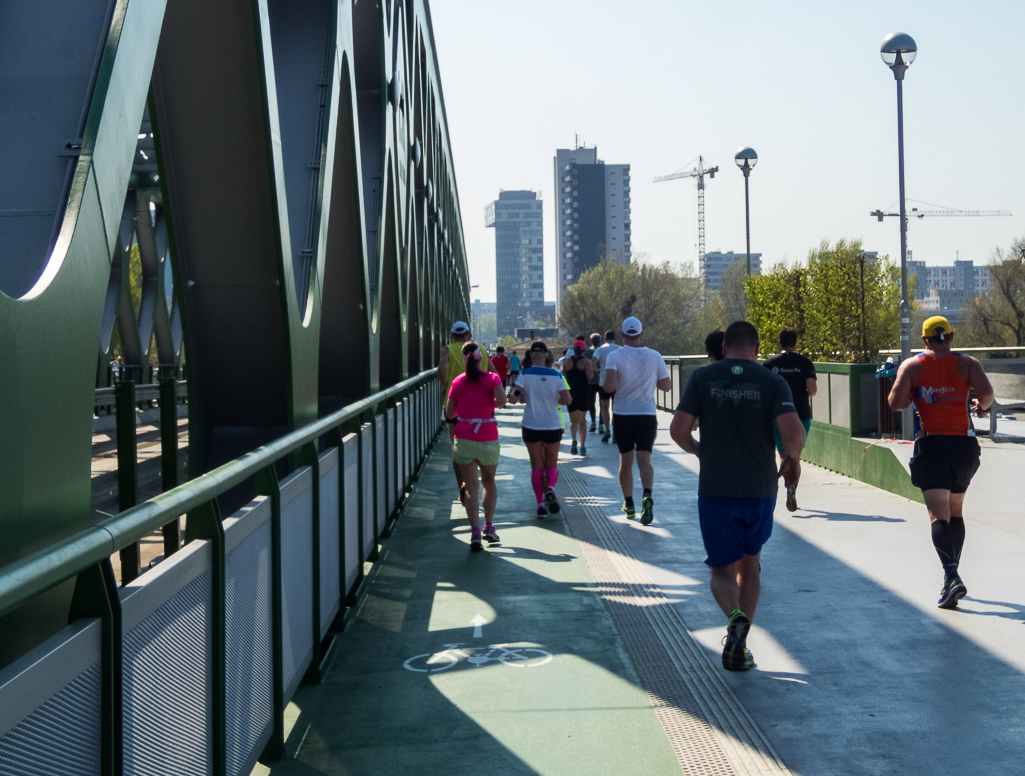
column 746, row 160
column 898, row 52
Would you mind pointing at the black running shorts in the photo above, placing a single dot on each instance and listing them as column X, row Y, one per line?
column 579, row 399
column 945, row 463
column 635, row 431
column 547, row 436
column 605, row 394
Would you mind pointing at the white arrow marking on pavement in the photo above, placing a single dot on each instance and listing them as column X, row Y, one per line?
column 477, row 622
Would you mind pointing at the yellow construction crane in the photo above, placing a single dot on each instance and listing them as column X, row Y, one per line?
column 698, row 172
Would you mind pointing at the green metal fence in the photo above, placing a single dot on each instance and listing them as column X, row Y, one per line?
column 368, row 453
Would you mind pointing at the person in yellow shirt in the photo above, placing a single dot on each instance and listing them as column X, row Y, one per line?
column 450, row 366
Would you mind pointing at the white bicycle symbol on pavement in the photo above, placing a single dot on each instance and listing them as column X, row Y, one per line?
column 517, row 657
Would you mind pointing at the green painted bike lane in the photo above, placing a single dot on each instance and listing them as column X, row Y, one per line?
column 446, row 670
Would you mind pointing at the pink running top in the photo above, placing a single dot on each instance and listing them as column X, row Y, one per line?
column 475, row 401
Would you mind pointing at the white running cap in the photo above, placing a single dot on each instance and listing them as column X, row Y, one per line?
column 460, row 327
column 632, row 327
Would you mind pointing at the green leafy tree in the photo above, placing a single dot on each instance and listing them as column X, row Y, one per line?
column 507, row 341
column 997, row 316
column 844, row 307
column 485, row 328
column 777, row 300
column 667, row 300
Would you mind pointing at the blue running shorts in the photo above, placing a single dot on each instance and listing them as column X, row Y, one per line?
column 734, row 527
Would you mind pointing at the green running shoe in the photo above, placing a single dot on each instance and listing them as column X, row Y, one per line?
column 953, row 591
column 647, row 510
column 630, row 512
column 735, row 654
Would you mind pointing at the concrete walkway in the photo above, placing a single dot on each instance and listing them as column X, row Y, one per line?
column 858, row 672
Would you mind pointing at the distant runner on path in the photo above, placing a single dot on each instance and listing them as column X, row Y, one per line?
column 514, row 368
column 713, row 345
column 737, row 401
column 472, row 401
column 592, row 384
column 500, row 362
column 544, row 391
column 799, row 372
column 946, row 454
column 633, row 372
column 604, row 397
column 578, row 369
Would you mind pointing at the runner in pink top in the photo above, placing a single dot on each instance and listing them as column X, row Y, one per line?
column 472, row 401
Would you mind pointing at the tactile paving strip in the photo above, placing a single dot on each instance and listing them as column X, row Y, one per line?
column 708, row 728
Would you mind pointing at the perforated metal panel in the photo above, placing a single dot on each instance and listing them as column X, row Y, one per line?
column 351, row 514
column 296, row 576
column 50, row 707
column 840, row 400
column 330, row 572
column 248, row 635
column 167, row 657
column 368, row 489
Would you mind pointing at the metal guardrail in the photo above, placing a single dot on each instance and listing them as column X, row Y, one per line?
column 374, row 449
column 146, row 394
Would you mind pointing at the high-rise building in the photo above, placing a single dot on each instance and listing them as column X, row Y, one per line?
column 519, row 257
column 592, row 214
column 963, row 276
column 717, row 263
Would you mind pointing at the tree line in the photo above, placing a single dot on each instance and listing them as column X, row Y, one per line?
column 843, row 305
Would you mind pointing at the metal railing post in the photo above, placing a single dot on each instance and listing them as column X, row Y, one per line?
column 169, row 456
column 308, row 457
column 205, row 523
column 373, row 555
column 356, row 426
column 127, row 471
column 267, row 485
column 96, row 596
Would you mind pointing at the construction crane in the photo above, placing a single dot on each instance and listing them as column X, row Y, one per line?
column 916, row 213
column 698, row 172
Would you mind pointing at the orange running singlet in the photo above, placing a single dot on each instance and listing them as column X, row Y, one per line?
column 941, row 397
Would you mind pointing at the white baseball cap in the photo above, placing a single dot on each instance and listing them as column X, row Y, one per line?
column 632, row 327
column 460, row 327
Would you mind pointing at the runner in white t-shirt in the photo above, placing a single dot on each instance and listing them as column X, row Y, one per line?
column 604, row 397
column 633, row 373
column 544, row 391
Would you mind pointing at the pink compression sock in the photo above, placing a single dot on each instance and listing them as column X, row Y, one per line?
column 553, row 476
column 535, row 481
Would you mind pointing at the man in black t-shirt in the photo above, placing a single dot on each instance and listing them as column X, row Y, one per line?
column 739, row 403
column 799, row 372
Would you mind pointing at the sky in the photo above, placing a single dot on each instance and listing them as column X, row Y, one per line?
column 655, row 83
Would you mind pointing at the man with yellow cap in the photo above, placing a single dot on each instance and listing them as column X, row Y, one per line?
column 946, row 454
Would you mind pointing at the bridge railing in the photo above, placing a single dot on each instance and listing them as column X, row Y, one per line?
column 680, row 370
column 188, row 668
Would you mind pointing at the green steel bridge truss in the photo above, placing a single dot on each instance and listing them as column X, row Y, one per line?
column 282, row 171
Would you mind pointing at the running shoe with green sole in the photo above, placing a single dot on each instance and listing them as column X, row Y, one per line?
column 647, row 510
column 735, row 654
column 630, row 512
column 953, row 591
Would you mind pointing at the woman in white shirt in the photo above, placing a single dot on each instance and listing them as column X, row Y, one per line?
column 543, row 390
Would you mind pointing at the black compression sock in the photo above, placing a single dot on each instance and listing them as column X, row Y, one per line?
column 943, row 541
column 957, row 526
column 629, row 500
column 647, row 491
